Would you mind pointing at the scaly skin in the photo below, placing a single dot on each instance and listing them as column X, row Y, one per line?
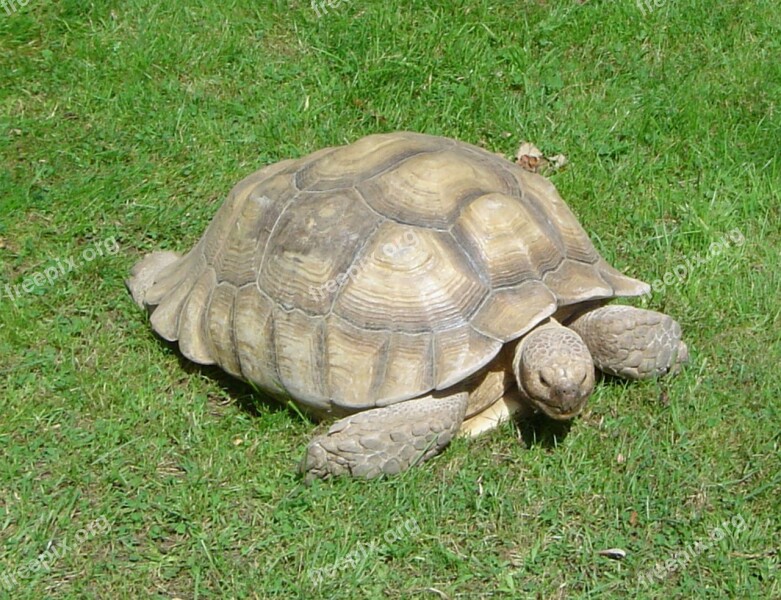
column 554, row 370
column 143, row 274
column 632, row 342
column 385, row 441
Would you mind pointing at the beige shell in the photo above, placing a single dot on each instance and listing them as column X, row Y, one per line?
column 372, row 273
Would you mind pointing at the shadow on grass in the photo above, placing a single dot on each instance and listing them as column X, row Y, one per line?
column 246, row 397
column 539, row 430
column 535, row 430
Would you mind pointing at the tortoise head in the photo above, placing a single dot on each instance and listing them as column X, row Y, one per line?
column 554, row 370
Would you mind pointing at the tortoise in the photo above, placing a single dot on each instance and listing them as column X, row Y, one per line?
column 411, row 286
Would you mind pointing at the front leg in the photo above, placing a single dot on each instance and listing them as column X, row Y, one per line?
column 385, row 440
column 632, row 342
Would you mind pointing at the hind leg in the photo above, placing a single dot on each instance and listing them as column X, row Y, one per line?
column 385, row 440
column 143, row 274
column 632, row 342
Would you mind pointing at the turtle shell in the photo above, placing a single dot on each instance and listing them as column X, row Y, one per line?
column 372, row 273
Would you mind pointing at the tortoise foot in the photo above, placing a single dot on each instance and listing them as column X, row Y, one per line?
column 632, row 342
column 385, row 441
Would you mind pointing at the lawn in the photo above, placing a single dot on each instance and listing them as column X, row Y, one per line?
column 128, row 473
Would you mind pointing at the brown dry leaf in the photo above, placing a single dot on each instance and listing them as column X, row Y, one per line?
column 557, row 161
column 614, row 553
column 529, row 157
column 633, row 518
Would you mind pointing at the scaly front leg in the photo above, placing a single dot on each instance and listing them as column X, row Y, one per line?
column 386, row 440
column 632, row 342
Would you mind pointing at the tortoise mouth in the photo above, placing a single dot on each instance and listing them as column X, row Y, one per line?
column 560, row 411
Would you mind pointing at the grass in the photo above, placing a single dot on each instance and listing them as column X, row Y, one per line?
column 129, row 121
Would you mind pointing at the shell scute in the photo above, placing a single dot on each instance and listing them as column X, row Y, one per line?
column 422, row 285
column 314, row 242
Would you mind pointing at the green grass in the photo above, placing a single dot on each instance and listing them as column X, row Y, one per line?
column 131, row 120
